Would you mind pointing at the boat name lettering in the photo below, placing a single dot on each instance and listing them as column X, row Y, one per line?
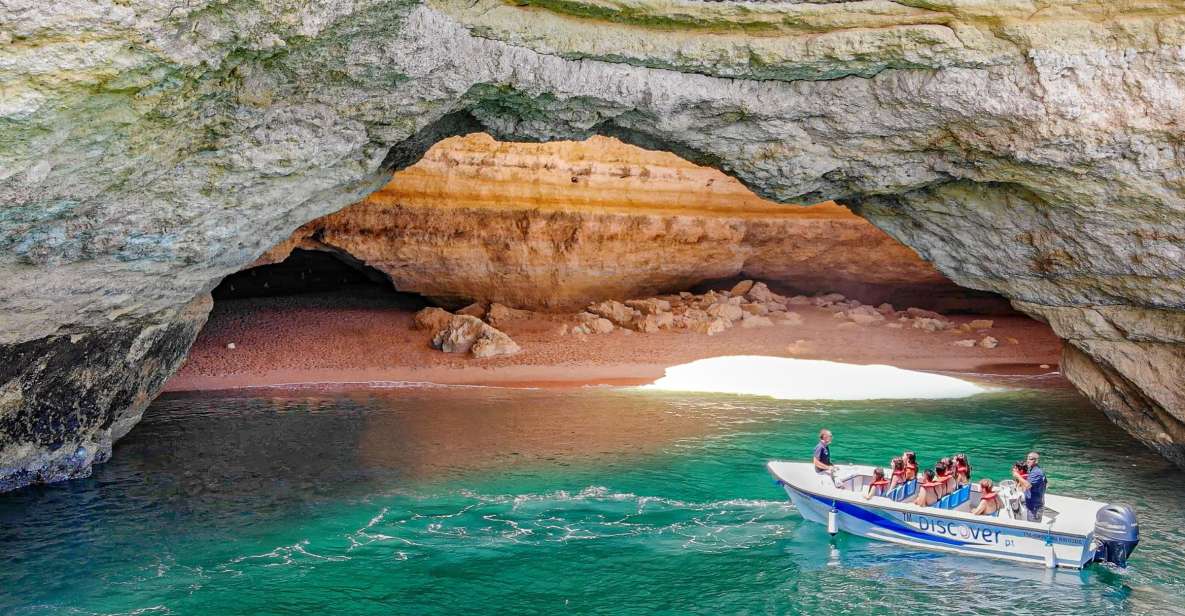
column 954, row 529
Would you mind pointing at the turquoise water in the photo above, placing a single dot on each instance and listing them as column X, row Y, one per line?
column 438, row 501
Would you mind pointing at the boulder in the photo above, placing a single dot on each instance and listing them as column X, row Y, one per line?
column 981, row 324
column 459, row 334
column 757, row 309
column 649, row 306
column 492, row 343
column 599, row 325
column 919, row 313
column 741, row 288
column 964, row 343
column 799, row 300
column 930, row 325
column 895, row 325
column 726, row 311
column 650, row 323
column 617, row 312
column 823, row 301
column 499, row 315
column 476, row 309
column 989, row 343
column 775, row 307
column 465, row 334
column 431, row 319
column 761, row 293
column 711, row 327
column 886, row 309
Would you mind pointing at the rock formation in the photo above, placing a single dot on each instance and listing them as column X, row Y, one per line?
column 149, row 149
column 554, row 226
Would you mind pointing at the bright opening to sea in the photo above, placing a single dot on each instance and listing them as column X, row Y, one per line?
column 785, row 378
column 582, row 501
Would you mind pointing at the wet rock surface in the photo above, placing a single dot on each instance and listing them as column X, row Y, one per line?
column 151, row 150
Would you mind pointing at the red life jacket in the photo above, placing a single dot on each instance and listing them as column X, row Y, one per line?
column 880, row 483
column 932, row 484
column 963, row 468
column 899, row 473
column 988, row 496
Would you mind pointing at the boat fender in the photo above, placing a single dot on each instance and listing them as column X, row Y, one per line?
column 833, row 520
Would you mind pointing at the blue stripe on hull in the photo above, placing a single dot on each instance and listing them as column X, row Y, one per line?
column 876, row 519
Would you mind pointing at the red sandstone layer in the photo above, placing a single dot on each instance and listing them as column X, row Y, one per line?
column 556, row 226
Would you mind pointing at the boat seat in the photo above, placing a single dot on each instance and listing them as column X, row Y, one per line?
column 954, row 499
column 904, row 490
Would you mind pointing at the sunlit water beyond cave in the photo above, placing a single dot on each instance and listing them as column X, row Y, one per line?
column 450, row 500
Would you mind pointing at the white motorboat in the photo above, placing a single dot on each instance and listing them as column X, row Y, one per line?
column 1073, row 533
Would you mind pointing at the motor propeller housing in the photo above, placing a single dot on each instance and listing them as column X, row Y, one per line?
column 1116, row 533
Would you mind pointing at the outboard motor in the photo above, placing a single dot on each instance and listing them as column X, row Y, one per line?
column 1116, row 533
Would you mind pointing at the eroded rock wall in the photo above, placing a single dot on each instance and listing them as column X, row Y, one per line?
column 557, row 226
column 149, row 149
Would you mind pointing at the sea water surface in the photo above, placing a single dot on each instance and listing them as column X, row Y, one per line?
column 593, row 501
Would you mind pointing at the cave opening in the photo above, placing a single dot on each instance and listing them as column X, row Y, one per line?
column 532, row 239
column 305, row 272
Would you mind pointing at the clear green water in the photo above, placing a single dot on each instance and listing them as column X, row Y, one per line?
column 441, row 501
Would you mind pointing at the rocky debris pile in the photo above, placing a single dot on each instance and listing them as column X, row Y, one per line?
column 749, row 304
column 464, row 333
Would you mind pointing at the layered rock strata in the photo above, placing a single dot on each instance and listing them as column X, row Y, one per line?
column 558, row 225
column 149, row 149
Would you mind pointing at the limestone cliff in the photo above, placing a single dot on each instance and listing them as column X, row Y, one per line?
column 560, row 225
column 148, row 149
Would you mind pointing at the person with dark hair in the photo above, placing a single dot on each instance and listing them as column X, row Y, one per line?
column 879, row 485
column 948, row 475
column 898, row 478
column 911, row 465
column 1034, row 483
column 989, row 501
column 962, row 469
column 927, row 490
column 942, row 477
column 822, row 457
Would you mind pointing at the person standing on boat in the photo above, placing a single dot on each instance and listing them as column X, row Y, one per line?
column 1034, row 485
column 823, row 452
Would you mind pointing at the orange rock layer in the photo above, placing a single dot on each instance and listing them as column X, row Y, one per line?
column 555, row 226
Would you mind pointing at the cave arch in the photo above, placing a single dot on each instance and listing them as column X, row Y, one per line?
column 993, row 144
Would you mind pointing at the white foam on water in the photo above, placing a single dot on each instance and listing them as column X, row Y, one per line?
column 785, row 378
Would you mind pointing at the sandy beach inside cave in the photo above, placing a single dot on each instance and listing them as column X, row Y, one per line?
column 351, row 338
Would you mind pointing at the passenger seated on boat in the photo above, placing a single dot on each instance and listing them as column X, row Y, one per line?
column 878, row 486
column 898, row 478
column 949, row 474
column 911, row 465
column 962, row 469
column 942, row 478
column 989, row 501
column 928, row 490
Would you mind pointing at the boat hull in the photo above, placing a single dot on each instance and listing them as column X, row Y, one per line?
column 934, row 529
